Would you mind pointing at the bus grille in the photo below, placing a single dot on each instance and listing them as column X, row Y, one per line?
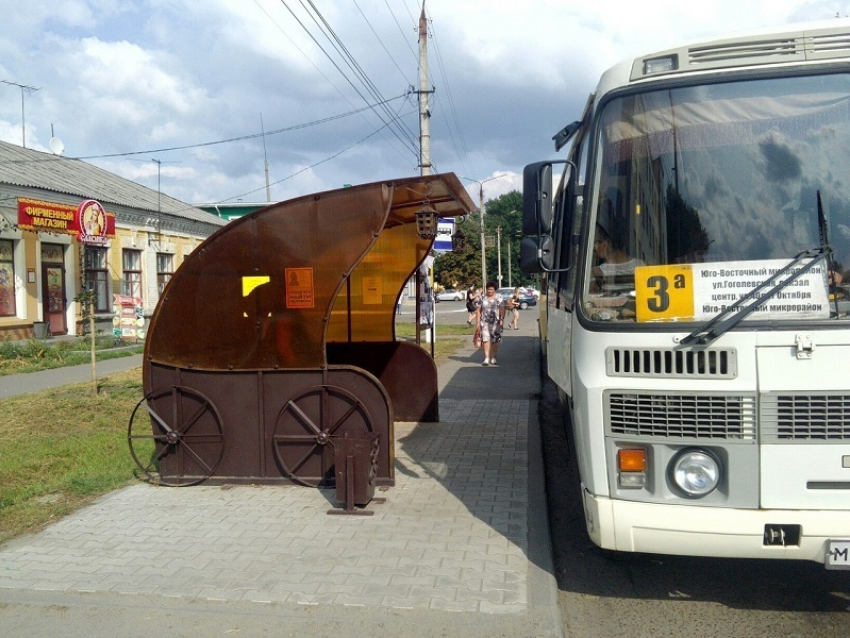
column 741, row 52
column 696, row 416
column 805, row 417
column 667, row 363
column 814, row 46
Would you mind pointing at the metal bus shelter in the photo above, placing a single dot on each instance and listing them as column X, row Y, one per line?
column 274, row 342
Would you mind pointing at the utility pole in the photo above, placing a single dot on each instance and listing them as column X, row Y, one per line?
column 424, row 113
column 499, row 251
column 425, row 169
column 25, row 88
column 510, row 256
column 483, row 250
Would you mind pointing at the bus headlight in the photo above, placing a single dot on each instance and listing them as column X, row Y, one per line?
column 695, row 472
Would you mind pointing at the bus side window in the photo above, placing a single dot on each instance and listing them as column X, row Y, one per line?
column 573, row 209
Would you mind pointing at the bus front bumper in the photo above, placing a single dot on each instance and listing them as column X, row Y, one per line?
column 710, row 531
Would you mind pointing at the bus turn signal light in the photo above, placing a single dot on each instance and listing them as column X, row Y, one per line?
column 631, row 466
column 631, row 460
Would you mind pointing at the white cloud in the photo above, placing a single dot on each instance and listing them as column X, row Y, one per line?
column 118, row 77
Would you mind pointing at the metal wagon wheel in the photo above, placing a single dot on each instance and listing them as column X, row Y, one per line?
column 188, row 439
column 305, row 427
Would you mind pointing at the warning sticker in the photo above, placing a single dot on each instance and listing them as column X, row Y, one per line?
column 299, row 288
column 373, row 290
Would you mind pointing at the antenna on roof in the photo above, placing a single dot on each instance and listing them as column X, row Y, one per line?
column 57, row 147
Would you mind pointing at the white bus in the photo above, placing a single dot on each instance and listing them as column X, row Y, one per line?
column 695, row 255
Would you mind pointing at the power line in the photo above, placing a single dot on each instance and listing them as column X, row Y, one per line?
column 307, row 168
column 351, row 62
column 243, row 137
column 345, row 76
column 378, row 38
column 318, row 70
column 463, row 152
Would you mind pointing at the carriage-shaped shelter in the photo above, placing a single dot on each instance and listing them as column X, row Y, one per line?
column 276, row 337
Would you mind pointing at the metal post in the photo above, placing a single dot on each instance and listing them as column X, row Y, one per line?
column 93, row 346
column 28, row 89
column 499, row 251
column 510, row 257
column 483, row 251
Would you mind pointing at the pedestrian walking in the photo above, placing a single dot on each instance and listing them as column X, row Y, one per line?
column 473, row 299
column 490, row 316
column 512, row 304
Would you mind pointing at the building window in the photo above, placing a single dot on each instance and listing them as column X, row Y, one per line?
column 96, row 276
column 132, row 267
column 164, row 270
column 7, row 279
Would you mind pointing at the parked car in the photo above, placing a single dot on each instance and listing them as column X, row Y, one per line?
column 532, row 291
column 525, row 298
column 451, row 295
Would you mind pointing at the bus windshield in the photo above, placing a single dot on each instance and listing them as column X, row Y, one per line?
column 704, row 192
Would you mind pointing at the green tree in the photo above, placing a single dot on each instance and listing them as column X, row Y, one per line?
column 503, row 217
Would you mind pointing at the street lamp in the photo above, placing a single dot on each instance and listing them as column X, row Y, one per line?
column 481, row 220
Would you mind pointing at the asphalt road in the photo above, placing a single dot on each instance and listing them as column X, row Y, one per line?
column 454, row 312
column 653, row 596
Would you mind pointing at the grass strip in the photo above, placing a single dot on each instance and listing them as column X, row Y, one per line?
column 63, row 448
column 35, row 355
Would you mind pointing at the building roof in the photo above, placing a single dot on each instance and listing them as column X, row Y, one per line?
column 235, row 210
column 34, row 169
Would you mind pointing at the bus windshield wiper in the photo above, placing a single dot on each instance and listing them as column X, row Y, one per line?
column 727, row 319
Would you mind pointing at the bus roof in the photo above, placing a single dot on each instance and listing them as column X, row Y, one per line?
column 824, row 41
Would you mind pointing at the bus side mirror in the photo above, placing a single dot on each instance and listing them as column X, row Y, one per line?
column 537, row 249
column 536, row 254
column 537, row 199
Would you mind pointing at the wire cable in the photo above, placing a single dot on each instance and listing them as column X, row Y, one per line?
column 407, row 144
column 241, row 137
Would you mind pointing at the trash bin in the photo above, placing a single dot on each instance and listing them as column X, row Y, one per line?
column 39, row 329
column 356, row 461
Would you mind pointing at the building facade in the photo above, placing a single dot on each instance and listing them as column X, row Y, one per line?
column 67, row 227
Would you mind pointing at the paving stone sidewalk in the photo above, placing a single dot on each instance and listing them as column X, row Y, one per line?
column 456, row 534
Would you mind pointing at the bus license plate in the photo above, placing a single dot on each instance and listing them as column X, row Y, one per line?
column 838, row 554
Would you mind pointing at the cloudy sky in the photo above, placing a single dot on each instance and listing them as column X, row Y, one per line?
column 183, row 89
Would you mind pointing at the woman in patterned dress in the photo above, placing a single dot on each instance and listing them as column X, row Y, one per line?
column 490, row 315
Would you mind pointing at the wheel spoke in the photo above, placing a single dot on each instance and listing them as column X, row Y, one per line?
column 201, row 462
column 160, row 438
column 344, row 417
column 294, row 438
column 155, row 416
column 306, row 420
column 201, row 438
column 188, row 423
column 306, row 457
column 165, row 449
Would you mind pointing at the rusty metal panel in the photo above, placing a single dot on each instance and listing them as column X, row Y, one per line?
column 407, row 372
column 256, row 294
column 268, row 425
